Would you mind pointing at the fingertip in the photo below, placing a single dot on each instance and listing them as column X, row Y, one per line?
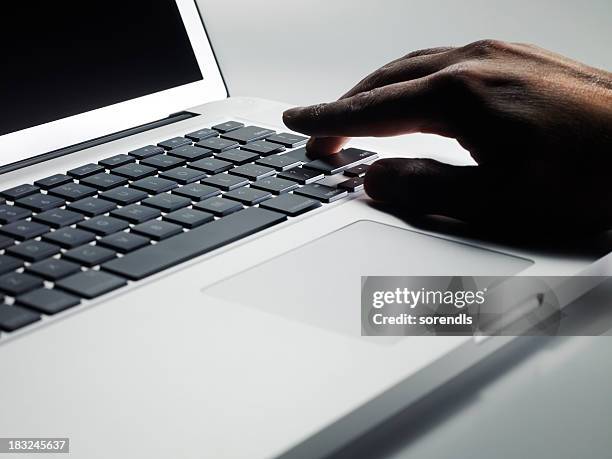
column 290, row 116
column 323, row 146
column 379, row 180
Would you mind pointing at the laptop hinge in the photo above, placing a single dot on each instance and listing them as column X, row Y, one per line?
column 180, row 116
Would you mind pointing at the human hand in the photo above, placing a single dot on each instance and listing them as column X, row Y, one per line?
column 538, row 124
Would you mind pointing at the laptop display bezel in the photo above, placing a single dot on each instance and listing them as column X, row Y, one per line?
column 28, row 143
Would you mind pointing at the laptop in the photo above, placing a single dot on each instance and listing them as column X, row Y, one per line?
column 178, row 278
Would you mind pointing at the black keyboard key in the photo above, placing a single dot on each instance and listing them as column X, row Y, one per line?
column 5, row 242
column 357, row 171
column 15, row 317
column 33, row 251
column 48, row 301
column 218, row 206
column 8, row 263
column 183, row 175
column 225, row 181
column 228, row 126
column 91, row 284
column 279, row 162
column 263, row 148
column 157, row 230
column 201, row 240
column 53, row 269
column 197, row 191
column 167, row 202
column 104, row 182
column 85, row 171
column 212, row 165
column 40, row 202
column 341, row 161
column 53, row 181
column 217, row 144
column 238, row 157
column 10, row 214
column 92, row 206
column 23, row 230
column 275, row 185
column 14, row 284
column 253, row 171
column 124, row 196
column 352, row 185
column 163, row 162
column 321, row 192
column 300, row 175
column 190, row 153
column 290, row 204
column 154, row 185
column 202, row 134
column 20, row 191
column 287, row 140
column 103, row 225
column 69, row 238
column 90, row 255
column 123, row 242
column 248, row 134
column 300, row 154
column 73, row 191
column 135, row 171
column 146, row 152
column 248, row 196
column 116, row 161
column 136, row 213
column 57, row 218
column 175, row 142
column 189, row 218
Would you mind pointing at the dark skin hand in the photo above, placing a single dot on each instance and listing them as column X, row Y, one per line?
column 538, row 124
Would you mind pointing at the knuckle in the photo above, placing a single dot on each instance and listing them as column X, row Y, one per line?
column 361, row 101
column 462, row 75
column 487, row 47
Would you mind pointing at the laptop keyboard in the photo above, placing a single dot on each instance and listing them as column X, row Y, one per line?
column 94, row 229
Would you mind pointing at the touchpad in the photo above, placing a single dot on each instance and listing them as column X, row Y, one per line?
column 319, row 283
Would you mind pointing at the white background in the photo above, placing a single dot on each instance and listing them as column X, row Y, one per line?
column 556, row 403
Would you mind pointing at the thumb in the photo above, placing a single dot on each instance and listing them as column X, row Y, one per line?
column 429, row 187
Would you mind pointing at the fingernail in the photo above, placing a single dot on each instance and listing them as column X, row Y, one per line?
column 379, row 180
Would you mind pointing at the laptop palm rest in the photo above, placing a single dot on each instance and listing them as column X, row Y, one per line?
column 319, row 283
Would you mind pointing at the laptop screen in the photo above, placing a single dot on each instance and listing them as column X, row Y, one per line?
column 61, row 59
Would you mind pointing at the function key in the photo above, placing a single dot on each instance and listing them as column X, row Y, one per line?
column 352, row 185
column 54, row 180
column 85, row 171
column 20, row 191
column 321, row 192
column 15, row 317
column 145, row 152
column 287, row 140
column 116, row 161
column 263, row 148
column 228, row 126
column 290, row 204
column 175, row 142
column 202, row 134
column 248, row 134
column 217, row 144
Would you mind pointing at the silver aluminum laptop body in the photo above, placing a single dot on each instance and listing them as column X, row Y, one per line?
column 254, row 349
